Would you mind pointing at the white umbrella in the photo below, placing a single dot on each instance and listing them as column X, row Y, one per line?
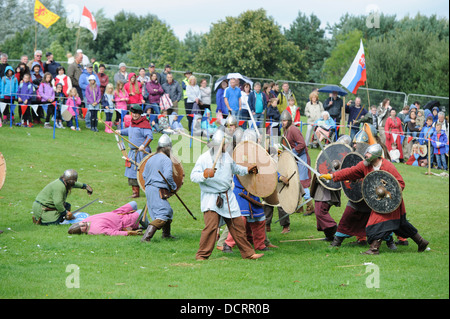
column 232, row 76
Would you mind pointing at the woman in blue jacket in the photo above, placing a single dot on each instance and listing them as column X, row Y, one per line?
column 8, row 90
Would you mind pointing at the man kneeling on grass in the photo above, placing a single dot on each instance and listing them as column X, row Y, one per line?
column 123, row 221
column 50, row 206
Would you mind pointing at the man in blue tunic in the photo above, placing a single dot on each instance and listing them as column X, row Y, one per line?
column 140, row 134
column 218, row 202
column 157, row 191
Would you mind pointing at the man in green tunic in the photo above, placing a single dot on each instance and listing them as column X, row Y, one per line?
column 50, row 206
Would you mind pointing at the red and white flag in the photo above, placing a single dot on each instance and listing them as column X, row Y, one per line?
column 88, row 21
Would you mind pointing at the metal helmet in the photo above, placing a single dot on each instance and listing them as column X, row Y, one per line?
column 286, row 116
column 164, row 141
column 361, row 137
column 70, row 175
column 375, row 150
column 75, row 228
column 231, row 120
column 250, row 135
column 217, row 138
column 237, row 136
column 346, row 139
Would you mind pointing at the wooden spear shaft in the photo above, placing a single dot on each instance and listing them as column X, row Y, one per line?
column 121, row 136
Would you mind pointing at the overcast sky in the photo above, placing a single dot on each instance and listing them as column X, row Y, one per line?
column 198, row 15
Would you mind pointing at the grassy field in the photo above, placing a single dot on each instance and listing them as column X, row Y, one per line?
column 36, row 262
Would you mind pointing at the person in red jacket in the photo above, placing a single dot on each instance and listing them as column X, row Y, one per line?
column 380, row 226
column 134, row 90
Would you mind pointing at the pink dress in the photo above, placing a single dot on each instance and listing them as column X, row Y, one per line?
column 73, row 105
column 112, row 223
column 118, row 97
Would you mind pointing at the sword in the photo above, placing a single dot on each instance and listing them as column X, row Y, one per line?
column 310, row 199
column 301, row 161
column 170, row 188
column 85, row 206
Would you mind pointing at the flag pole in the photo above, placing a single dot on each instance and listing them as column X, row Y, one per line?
column 35, row 36
column 78, row 37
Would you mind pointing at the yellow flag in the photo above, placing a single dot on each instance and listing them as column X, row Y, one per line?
column 43, row 15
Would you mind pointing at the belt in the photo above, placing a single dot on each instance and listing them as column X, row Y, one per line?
column 48, row 208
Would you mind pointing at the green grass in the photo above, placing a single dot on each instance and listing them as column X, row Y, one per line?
column 33, row 259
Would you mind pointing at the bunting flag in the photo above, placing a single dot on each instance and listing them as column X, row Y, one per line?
column 23, row 109
column 88, row 21
column 43, row 15
column 84, row 111
column 35, row 108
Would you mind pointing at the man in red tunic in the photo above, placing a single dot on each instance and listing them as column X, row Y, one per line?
column 380, row 226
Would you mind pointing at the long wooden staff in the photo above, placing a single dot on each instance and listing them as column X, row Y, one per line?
column 122, row 136
column 194, row 138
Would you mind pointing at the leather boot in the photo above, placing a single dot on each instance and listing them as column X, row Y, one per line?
column 149, row 232
column 309, row 208
column 421, row 243
column 166, row 230
column 329, row 233
column 135, row 191
column 374, row 248
column 391, row 245
column 337, row 241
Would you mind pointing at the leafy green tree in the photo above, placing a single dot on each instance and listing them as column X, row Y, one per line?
column 253, row 45
column 306, row 33
column 157, row 44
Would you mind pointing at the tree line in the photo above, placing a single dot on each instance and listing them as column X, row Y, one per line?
column 408, row 55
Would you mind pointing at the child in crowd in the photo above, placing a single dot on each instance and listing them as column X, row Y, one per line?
column 121, row 98
column 47, row 96
column 176, row 126
column 439, row 141
column 24, row 97
column 415, row 159
column 273, row 115
column 394, row 153
column 93, row 97
column 108, row 106
column 73, row 101
column 60, row 98
column 163, row 120
column 420, row 119
column 8, row 91
column 294, row 110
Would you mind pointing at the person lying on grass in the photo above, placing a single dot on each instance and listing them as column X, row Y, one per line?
column 123, row 221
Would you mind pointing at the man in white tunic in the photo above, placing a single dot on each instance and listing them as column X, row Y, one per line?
column 218, row 200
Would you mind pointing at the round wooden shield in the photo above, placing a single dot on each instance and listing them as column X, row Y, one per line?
column 2, row 170
column 352, row 189
column 382, row 192
column 177, row 168
column 263, row 184
column 330, row 160
column 290, row 196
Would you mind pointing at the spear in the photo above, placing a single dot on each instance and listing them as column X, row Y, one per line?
column 122, row 136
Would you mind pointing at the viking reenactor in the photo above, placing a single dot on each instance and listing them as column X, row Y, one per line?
column 50, row 206
column 140, row 134
column 123, row 221
column 381, row 224
column 214, row 171
column 159, row 183
column 298, row 146
column 252, row 210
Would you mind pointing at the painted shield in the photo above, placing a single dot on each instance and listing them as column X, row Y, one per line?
column 423, row 150
column 352, row 189
column 2, row 170
column 177, row 168
column 329, row 161
column 290, row 196
column 382, row 192
column 263, row 184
